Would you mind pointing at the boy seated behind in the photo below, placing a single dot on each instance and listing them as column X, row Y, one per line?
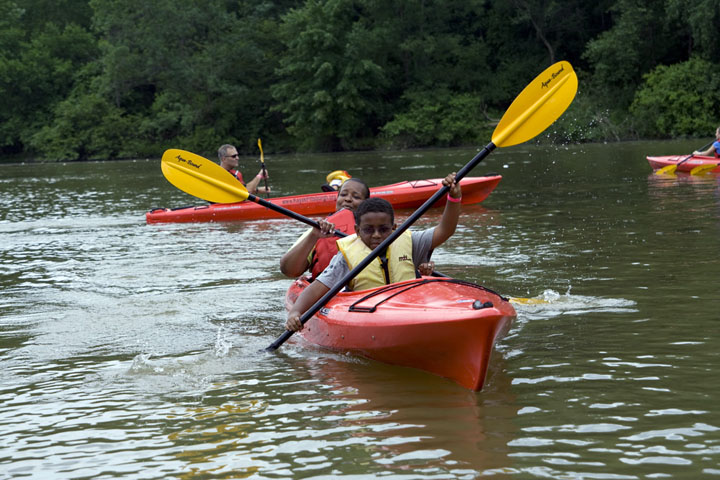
column 374, row 222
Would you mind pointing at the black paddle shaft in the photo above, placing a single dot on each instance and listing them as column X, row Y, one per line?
column 385, row 243
column 265, row 175
column 692, row 154
column 290, row 213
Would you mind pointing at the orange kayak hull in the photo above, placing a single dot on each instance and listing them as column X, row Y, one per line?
column 443, row 326
column 408, row 194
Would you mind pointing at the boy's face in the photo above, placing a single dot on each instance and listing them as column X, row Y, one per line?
column 374, row 227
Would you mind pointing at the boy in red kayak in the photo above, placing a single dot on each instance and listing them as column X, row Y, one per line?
column 374, row 222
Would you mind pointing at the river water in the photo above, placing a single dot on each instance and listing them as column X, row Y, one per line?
column 132, row 351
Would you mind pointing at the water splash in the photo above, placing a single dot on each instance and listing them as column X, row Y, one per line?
column 223, row 344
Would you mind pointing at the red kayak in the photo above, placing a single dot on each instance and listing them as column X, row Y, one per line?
column 401, row 195
column 441, row 325
column 692, row 162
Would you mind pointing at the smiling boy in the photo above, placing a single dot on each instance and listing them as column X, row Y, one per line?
column 374, row 222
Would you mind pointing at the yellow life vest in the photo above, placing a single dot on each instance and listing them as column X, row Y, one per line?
column 399, row 259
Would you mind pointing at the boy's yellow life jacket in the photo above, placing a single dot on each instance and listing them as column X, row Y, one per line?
column 400, row 264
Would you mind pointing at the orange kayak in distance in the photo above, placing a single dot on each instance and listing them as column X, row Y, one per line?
column 692, row 162
column 443, row 326
column 408, row 194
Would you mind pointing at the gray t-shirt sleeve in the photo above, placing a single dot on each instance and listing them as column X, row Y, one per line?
column 334, row 272
column 338, row 267
column 421, row 245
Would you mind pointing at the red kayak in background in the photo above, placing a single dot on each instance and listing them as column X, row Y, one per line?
column 444, row 326
column 408, row 194
column 684, row 166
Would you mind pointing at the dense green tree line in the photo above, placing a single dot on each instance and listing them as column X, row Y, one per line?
column 83, row 79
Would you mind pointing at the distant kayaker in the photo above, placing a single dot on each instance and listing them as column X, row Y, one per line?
column 229, row 161
column 316, row 247
column 375, row 221
column 714, row 149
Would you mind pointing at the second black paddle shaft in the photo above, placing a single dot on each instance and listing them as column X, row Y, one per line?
column 692, row 155
column 265, row 175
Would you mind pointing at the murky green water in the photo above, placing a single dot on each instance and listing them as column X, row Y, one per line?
column 131, row 351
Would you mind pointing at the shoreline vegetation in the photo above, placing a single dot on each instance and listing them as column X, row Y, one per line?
column 86, row 80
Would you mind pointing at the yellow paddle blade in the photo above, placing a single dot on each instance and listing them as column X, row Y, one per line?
column 202, row 178
column 701, row 169
column 262, row 155
column 538, row 105
column 669, row 170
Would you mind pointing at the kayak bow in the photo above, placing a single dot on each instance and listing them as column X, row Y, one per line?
column 444, row 326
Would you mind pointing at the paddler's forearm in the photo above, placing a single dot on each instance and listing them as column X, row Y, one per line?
column 448, row 223
column 252, row 185
column 307, row 299
column 451, row 214
column 295, row 261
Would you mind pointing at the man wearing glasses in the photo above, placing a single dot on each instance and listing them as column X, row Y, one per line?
column 229, row 161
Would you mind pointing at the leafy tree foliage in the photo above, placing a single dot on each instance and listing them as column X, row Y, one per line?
column 439, row 119
column 641, row 38
column 442, row 56
column 331, row 79
column 86, row 79
column 681, row 99
column 38, row 62
column 351, row 67
column 563, row 27
column 171, row 64
column 698, row 20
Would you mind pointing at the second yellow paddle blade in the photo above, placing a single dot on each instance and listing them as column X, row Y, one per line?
column 202, row 178
column 701, row 169
column 538, row 105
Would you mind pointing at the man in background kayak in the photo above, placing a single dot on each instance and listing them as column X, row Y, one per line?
column 374, row 222
column 229, row 160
